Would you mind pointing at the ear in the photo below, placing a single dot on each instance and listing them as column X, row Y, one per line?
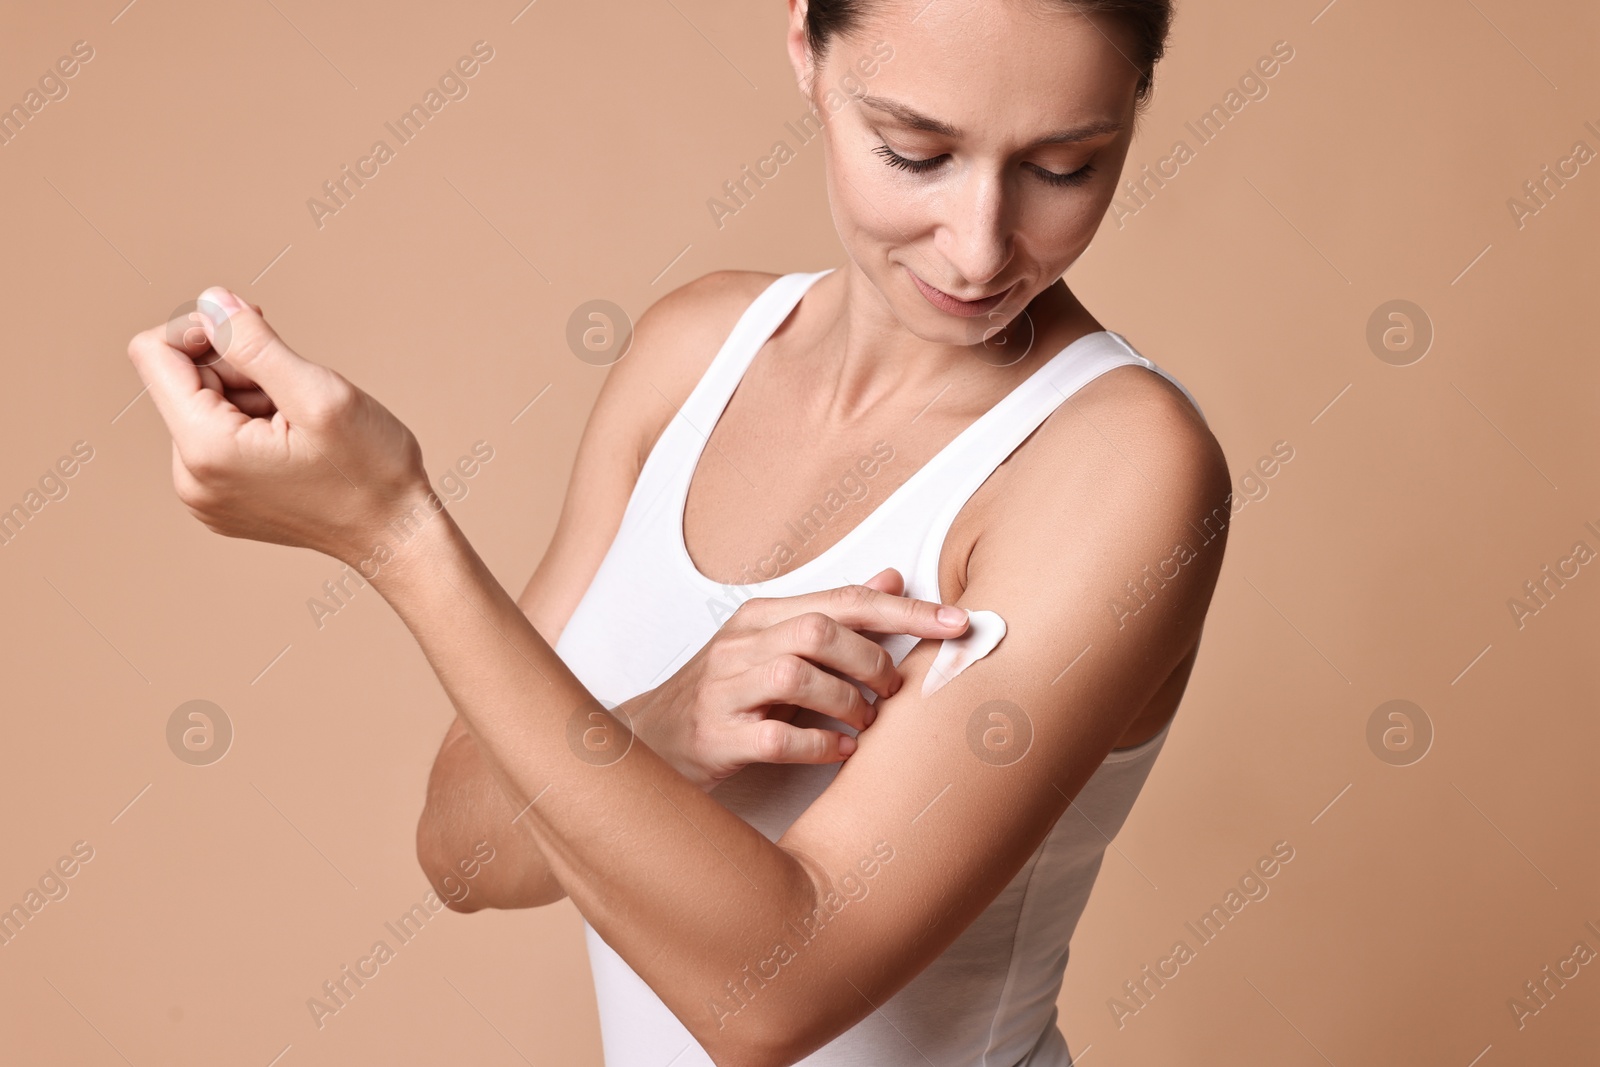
column 799, row 49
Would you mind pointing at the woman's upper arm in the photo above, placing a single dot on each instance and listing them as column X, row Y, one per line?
column 673, row 343
column 959, row 787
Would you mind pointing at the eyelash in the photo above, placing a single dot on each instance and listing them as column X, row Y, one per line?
column 919, row 166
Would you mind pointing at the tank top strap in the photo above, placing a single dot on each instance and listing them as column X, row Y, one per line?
column 669, row 465
column 987, row 442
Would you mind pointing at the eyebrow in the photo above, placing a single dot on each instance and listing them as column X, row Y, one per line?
column 917, row 121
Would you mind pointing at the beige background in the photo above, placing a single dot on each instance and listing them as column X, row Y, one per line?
column 1378, row 566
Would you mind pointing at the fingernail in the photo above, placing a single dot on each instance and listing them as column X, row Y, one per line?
column 952, row 616
column 222, row 300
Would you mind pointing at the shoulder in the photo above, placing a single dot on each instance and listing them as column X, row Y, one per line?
column 1126, row 460
column 1146, row 416
column 674, row 342
column 1144, row 432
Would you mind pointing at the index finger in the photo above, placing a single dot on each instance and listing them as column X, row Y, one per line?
column 861, row 607
column 173, row 382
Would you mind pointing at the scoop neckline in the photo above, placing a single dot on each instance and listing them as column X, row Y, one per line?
column 855, row 533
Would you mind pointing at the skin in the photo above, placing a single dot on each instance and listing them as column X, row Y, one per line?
column 686, row 892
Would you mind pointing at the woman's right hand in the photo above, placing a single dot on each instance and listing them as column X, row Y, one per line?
column 730, row 705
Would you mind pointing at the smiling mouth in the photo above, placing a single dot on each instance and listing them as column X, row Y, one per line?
column 955, row 305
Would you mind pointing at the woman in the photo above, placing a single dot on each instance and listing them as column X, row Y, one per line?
column 827, row 849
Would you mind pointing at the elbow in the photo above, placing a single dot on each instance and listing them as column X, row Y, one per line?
column 756, row 1042
column 451, row 891
column 433, row 866
column 743, row 1055
column 465, row 886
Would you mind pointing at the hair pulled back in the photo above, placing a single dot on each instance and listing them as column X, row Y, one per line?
column 1148, row 22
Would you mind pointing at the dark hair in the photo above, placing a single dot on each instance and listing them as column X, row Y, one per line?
column 1147, row 20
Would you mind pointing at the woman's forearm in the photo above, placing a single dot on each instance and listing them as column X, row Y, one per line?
column 684, row 890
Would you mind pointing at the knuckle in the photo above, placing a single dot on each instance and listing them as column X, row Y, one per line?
column 856, row 596
column 342, row 392
column 205, row 465
column 786, row 674
column 334, row 401
column 813, row 630
column 194, row 495
column 241, row 346
column 856, row 708
column 769, row 741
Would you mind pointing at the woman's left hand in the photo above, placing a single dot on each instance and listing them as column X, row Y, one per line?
column 272, row 447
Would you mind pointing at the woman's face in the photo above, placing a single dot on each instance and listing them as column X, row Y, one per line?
column 977, row 158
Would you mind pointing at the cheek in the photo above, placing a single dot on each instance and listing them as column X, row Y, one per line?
column 1052, row 217
column 869, row 206
column 1062, row 224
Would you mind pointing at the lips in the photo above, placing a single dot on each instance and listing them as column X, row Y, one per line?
column 954, row 306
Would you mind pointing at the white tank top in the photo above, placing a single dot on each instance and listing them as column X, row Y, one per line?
column 990, row 998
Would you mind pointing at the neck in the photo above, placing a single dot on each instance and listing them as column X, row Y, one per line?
column 864, row 361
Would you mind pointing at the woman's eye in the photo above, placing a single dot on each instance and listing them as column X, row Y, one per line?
column 895, row 159
column 1077, row 177
column 918, row 166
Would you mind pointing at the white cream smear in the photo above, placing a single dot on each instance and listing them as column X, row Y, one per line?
column 956, row 654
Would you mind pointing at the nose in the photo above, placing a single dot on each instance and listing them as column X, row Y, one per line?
column 976, row 237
